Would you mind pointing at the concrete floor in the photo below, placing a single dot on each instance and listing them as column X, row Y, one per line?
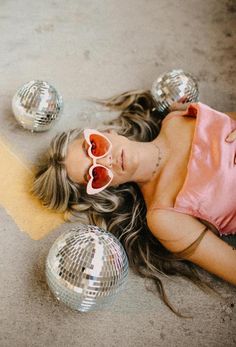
column 99, row 48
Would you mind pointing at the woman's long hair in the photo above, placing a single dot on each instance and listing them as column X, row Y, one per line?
column 120, row 210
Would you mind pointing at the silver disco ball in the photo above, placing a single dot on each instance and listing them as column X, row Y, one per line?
column 171, row 86
column 86, row 267
column 37, row 105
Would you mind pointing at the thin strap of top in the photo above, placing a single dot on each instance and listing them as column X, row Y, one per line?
column 189, row 250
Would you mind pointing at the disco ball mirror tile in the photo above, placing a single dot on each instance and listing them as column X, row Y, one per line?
column 171, row 86
column 37, row 105
column 86, row 268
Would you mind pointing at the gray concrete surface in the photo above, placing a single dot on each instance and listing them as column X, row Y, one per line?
column 99, row 48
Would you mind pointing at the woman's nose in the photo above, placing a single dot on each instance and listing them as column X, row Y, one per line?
column 106, row 161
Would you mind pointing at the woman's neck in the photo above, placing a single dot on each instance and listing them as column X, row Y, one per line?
column 152, row 157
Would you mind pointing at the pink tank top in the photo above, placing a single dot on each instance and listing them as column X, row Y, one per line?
column 209, row 189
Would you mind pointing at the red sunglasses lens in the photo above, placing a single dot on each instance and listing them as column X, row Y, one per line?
column 100, row 145
column 100, row 177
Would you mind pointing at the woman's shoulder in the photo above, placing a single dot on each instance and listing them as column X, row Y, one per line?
column 173, row 117
column 179, row 116
column 178, row 130
column 175, row 125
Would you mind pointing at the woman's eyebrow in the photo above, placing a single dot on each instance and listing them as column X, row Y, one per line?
column 85, row 176
column 84, row 148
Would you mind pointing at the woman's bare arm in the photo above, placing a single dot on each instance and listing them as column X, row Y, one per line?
column 176, row 231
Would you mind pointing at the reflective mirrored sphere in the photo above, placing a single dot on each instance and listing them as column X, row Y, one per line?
column 37, row 105
column 173, row 85
column 86, row 267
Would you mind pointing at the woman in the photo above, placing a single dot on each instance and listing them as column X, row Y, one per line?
column 156, row 184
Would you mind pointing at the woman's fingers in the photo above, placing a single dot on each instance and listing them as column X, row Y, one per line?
column 231, row 137
column 183, row 99
column 178, row 106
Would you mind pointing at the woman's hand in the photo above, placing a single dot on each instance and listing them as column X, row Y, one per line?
column 231, row 137
column 180, row 105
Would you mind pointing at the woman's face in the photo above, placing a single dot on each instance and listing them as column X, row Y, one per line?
column 121, row 159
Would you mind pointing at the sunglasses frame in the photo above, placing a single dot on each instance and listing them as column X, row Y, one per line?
column 90, row 190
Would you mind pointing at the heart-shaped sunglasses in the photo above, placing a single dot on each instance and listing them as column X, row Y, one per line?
column 99, row 147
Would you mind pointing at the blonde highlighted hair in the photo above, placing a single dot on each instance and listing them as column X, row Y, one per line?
column 120, row 210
